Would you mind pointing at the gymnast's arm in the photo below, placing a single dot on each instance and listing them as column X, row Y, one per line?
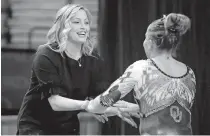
column 116, row 91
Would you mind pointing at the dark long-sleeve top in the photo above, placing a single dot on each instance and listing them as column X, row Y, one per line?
column 53, row 73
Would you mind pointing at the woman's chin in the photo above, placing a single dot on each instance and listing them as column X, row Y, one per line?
column 81, row 40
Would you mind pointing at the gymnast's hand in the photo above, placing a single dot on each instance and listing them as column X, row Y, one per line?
column 125, row 116
column 110, row 111
column 100, row 117
column 127, row 107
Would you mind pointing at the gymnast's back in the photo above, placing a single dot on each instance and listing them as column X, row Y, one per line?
column 164, row 101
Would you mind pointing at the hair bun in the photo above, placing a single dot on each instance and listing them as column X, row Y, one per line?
column 177, row 23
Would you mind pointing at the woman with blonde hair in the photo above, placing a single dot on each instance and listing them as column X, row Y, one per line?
column 65, row 72
column 164, row 88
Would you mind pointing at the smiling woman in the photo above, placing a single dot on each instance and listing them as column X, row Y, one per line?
column 66, row 71
column 72, row 27
column 79, row 33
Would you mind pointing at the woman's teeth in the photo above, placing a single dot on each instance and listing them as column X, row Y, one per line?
column 81, row 33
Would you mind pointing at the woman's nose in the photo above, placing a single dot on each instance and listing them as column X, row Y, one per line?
column 82, row 25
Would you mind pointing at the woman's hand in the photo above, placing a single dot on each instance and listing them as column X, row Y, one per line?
column 85, row 104
column 100, row 117
column 94, row 106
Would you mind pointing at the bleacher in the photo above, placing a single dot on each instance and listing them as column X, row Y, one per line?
column 32, row 19
column 29, row 25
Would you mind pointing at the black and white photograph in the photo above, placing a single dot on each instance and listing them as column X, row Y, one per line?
column 105, row 67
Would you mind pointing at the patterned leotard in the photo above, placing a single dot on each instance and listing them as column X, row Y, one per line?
column 164, row 101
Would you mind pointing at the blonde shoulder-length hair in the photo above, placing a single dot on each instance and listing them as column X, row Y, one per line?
column 61, row 27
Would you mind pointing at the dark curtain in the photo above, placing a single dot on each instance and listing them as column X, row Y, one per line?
column 122, row 25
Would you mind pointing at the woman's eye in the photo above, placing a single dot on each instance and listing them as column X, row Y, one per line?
column 76, row 22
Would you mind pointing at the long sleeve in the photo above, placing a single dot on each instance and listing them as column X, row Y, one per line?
column 118, row 89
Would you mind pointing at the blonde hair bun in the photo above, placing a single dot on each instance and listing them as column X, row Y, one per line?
column 177, row 23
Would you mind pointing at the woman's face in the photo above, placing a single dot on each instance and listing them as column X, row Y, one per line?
column 80, row 27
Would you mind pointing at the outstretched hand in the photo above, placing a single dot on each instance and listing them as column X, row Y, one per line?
column 127, row 107
column 101, row 118
column 125, row 116
column 120, row 110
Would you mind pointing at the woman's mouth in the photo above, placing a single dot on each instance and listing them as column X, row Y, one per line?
column 81, row 34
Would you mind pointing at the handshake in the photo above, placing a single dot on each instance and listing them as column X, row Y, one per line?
column 124, row 110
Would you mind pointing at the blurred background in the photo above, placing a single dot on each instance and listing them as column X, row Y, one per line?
column 120, row 26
